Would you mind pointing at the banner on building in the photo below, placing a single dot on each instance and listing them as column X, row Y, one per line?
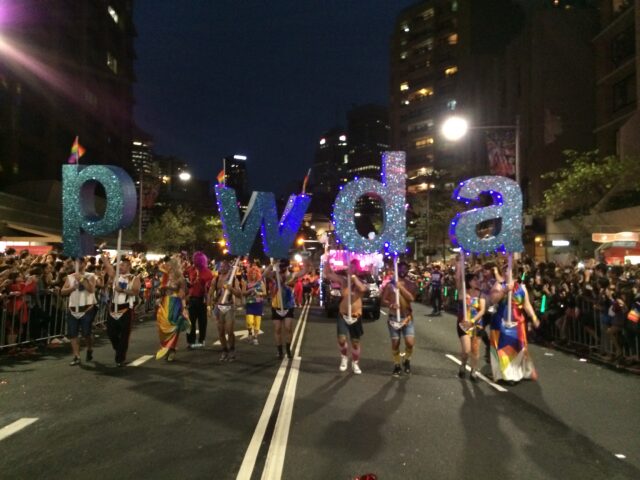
column 501, row 153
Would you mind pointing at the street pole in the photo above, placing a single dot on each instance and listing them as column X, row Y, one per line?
column 140, row 206
column 518, row 173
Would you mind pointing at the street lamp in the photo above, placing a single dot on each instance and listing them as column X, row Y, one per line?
column 455, row 128
column 184, row 176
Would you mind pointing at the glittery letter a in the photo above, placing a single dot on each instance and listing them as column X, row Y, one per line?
column 507, row 206
column 80, row 222
column 277, row 236
column 391, row 192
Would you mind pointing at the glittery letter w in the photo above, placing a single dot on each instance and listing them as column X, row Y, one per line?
column 277, row 236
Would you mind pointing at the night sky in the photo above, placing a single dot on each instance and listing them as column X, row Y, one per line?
column 260, row 78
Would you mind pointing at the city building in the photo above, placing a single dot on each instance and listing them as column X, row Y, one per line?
column 142, row 154
column 617, row 121
column 555, row 112
column 236, row 176
column 331, row 163
column 66, row 70
column 368, row 137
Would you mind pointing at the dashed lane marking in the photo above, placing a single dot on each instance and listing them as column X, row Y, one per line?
column 141, row 360
column 15, row 427
column 480, row 375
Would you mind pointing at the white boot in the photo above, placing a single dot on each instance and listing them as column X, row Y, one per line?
column 356, row 367
column 344, row 363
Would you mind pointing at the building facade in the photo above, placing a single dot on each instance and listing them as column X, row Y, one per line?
column 66, row 69
column 368, row 133
column 331, row 162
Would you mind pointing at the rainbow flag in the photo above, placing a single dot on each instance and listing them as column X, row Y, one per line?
column 220, row 177
column 304, row 182
column 77, row 151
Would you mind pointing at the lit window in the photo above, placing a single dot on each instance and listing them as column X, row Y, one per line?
column 425, row 92
column 451, row 104
column 405, row 27
column 428, row 14
column 424, row 142
column 454, row 6
column 342, row 138
column 323, row 141
column 405, row 102
column 451, row 71
column 404, row 86
column 113, row 13
column 404, row 55
column 452, row 39
column 112, row 63
column 346, row 159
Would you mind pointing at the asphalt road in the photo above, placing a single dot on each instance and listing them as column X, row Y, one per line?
column 198, row 418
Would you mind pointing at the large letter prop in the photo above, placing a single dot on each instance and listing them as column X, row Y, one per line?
column 277, row 237
column 80, row 222
column 507, row 206
column 391, row 192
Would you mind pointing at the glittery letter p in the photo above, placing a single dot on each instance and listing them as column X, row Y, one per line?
column 277, row 236
column 80, row 222
column 391, row 192
column 507, row 206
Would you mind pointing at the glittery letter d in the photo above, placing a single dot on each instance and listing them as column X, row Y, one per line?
column 80, row 222
column 391, row 192
column 507, row 206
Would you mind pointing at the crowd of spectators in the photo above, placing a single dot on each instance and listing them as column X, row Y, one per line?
column 587, row 307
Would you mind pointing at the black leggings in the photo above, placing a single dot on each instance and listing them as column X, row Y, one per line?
column 119, row 331
column 197, row 314
column 436, row 298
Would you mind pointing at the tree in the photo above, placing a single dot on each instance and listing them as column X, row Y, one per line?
column 174, row 229
column 588, row 184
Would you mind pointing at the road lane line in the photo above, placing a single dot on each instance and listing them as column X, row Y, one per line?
column 383, row 312
column 480, row 375
column 140, row 361
column 251, row 455
column 16, row 427
column 278, row 448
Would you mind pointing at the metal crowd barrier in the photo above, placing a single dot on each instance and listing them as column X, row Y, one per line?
column 33, row 320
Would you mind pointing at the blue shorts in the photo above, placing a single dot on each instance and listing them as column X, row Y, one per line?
column 254, row 309
column 354, row 331
column 407, row 331
column 85, row 322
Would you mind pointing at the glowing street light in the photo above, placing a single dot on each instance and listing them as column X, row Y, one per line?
column 454, row 128
column 184, row 176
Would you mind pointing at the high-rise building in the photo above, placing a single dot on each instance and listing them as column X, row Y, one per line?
column 368, row 136
column 617, row 82
column 236, row 176
column 331, row 162
column 446, row 59
column 142, row 153
column 66, row 69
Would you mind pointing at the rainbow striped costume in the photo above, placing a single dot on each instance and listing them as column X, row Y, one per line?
column 510, row 360
column 170, row 323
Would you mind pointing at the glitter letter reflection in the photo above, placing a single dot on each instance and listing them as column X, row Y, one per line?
column 507, row 207
column 391, row 192
column 80, row 221
column 277, row 236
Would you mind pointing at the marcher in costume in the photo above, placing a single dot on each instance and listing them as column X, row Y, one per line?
column 405, row 328
column 200, row 278
column 510, row 359
column 121, row 309
column 349, row 326
column 469, row 330
column 282, row 303
column 254, row 292
column 224, row 309
column 171, row 315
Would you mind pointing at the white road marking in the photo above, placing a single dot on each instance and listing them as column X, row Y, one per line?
column 140, row 361
column 251, row 455
column 621, row 456
column 16, row 427
column 278, row 448
column 480, row 375
column 383, row 312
